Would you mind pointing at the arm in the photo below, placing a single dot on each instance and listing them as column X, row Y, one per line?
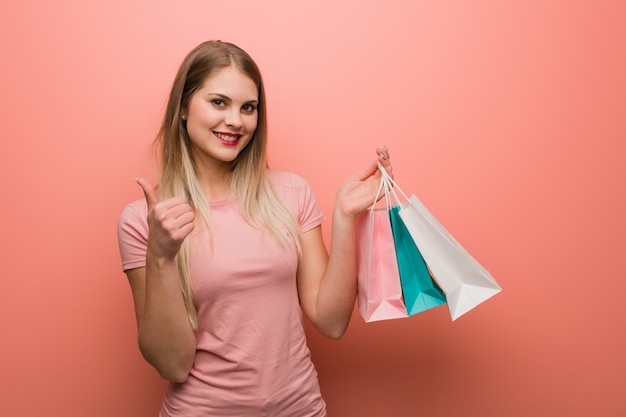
column 327, row 283
column 166, row 338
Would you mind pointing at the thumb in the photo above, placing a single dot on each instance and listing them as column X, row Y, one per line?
column 149, row 191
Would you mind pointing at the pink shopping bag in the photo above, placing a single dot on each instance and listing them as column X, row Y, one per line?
column 379, row 287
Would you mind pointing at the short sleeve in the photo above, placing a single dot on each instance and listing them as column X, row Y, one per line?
column 298, row 195
column 132, row 234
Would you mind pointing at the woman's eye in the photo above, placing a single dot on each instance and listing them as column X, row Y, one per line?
column 248, row 108
column 218, row 102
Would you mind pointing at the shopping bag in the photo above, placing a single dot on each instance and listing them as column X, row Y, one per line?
column 465, row 282
column 379, row 292
column 420, row 292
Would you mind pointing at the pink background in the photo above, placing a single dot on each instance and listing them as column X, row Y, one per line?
column 506, row 118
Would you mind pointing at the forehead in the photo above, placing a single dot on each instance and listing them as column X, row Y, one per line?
column 232, row 82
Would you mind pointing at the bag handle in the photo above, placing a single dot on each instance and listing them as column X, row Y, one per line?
column 391, row 185
column 383, row 185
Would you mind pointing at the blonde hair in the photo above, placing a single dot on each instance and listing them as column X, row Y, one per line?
column 259, row 204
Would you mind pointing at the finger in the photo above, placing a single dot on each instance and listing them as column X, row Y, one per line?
column 384, row 160
column 185, row 230
column 383, row 155
column 172, row 202
column 179, row 227
column 186, row 222
column 172, row 207
column 149, row 191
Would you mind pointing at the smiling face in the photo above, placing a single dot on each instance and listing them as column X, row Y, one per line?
column 222, row 116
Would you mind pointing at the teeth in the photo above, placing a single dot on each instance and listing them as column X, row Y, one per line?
column 228, row 138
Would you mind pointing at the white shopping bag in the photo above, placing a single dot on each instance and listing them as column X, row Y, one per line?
column 465, row 282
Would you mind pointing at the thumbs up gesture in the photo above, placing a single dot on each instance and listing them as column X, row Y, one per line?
column 169, row 221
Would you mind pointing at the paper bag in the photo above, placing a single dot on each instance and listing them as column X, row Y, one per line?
column 418, row 288
column 465, row 282
column 379, row 291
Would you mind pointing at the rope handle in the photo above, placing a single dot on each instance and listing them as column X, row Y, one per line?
column 384, row 185
column 391, row 185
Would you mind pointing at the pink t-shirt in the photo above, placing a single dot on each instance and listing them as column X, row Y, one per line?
column 251, row 357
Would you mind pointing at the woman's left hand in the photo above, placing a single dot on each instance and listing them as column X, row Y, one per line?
column 358, row 193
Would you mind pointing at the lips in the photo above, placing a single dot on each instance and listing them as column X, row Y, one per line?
column 228, row 139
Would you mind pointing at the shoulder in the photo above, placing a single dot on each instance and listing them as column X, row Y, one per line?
column 135, row 210
column 287, row 180
column 296, row 192
column 133, row 220
column 132, row 234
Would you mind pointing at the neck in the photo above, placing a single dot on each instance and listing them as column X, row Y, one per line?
column 214, row 180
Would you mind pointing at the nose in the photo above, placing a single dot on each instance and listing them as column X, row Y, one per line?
column 233, row 119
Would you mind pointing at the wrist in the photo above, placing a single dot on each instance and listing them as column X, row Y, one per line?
column 342, row 218
column 159, row 260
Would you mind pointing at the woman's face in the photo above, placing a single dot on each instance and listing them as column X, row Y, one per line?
column 222, row 116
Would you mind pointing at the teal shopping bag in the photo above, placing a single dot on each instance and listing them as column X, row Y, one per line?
column 420, row 292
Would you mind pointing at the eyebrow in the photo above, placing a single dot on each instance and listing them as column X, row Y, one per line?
column 225, row 97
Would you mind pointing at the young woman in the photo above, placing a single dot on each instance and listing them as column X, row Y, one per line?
column 225, row 254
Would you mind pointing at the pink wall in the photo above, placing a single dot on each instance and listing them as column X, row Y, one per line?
column 506, row 118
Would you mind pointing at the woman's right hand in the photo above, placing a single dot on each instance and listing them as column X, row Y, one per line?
column 169, row 221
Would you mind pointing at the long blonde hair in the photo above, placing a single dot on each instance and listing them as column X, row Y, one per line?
column 259, row 204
